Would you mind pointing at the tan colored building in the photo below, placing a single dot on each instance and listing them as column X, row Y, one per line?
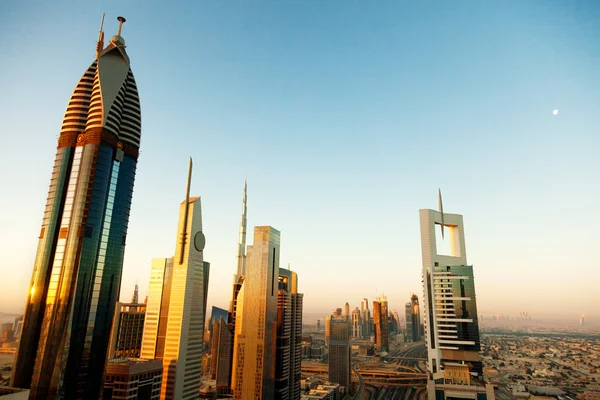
column 253, row 367
column 132, row 379
column 174, row 325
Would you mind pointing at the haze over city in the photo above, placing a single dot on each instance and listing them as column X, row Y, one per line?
column 345, row 118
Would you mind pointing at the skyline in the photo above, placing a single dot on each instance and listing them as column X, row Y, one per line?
column 342, row 148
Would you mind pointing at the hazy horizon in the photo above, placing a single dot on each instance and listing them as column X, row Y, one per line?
column 346, row 118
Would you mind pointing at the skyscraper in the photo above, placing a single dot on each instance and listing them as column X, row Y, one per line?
column 380, row 322
column 409, row 322
column 346, row 309
column 174, row 327
column 253, row 373
column 289, row 337
column 221, row 354
column 340, row 363
column 413, row 321
column 452, row 332
column 356, row 324
column 366, row 318
column 77, row 270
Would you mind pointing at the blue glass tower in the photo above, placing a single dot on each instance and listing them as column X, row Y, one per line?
column 77, row 271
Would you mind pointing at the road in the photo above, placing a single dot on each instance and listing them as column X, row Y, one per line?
column 361, row 383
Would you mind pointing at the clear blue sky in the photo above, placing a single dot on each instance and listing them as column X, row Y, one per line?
column 346, row 118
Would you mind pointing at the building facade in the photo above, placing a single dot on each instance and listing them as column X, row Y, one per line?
column 77, row 270
column 340, row 356
column 253, row 368
column 174, row 325
column 132, row 379
column 451, row 321
column 380, row 323
column 127, row 330
column 289, row 337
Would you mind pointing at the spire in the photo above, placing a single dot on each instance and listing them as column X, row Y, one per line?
column 441, row 209
column 135, row 294
column 241, row 249
column 187, row 209
column 121, row 20
column 100, row 44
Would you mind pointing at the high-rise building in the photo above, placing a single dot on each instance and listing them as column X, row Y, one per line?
column 132, row 378
column 328, row 328
column 356, row 324
column 174, row 326
column 366, row 318
column 380, row 322
column 222, row 365
column 451, row 322
column 127, row 330
column 289, row 337
column 409, row 322
column 340, row 363
column 253, row 371
column 413, row 320
column 77, row 270
column 347, row 310
column 221, row 354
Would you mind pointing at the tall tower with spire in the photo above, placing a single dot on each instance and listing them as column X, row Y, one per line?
column 77, row 270
column 174, row 326
column 241, row 248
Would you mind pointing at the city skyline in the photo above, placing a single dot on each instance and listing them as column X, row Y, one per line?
column 369, row 162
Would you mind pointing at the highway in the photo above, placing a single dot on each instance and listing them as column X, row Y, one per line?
column 361, row 383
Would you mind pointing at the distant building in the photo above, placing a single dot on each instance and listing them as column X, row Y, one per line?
column 367, row 330
column 127, row 330
column 380, row 322
column 413, row 323
column 582, row 320
column 347, row 310
column 132, row 378
column 340, row 363
column 356, row 324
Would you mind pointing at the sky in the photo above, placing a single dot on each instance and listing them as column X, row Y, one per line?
column 345, row 117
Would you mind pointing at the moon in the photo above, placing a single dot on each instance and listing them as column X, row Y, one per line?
column 555, row 112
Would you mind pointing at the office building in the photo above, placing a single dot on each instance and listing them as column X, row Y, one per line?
column 409, row 321
column 132, row 379
column 356, row 324
column 347, row 310
column 174, row 326
column 451, row 322
column 413, row 320
column 221, row 353
column 77, row 270
column 380, row 323
column 289, row 337
column 367, row 330
column 340, row 363
column 253, row 368
column 127, row 330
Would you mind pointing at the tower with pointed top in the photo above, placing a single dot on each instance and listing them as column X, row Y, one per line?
column 77, row 270
column 176, row 308
column 241, row 248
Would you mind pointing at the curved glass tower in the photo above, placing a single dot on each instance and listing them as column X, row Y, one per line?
column 77, row 271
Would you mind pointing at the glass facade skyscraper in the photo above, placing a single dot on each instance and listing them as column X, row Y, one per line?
column 79, row 260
